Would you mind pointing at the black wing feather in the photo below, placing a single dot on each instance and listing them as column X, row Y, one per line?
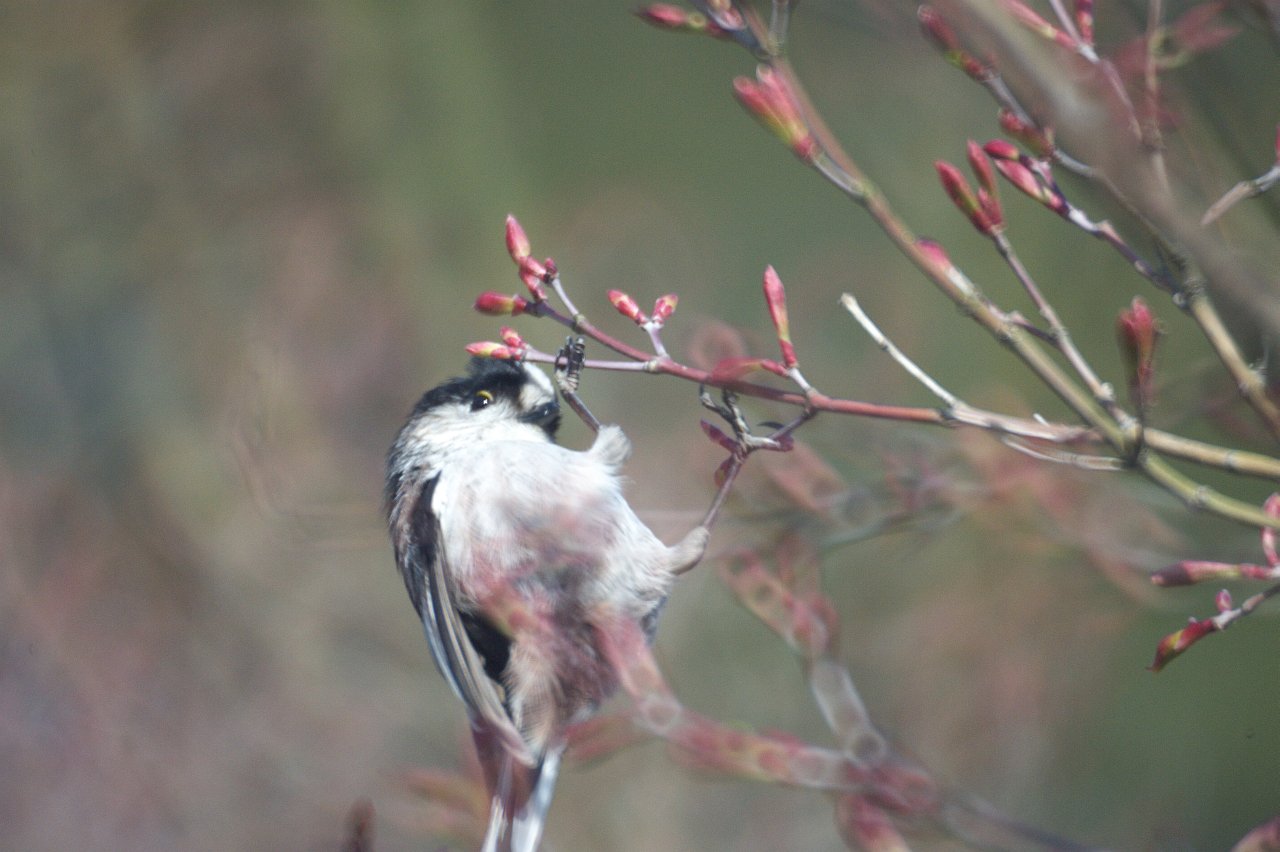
column 452, row 643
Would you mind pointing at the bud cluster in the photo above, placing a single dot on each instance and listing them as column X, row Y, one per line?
column 533, row 273
column 1188, row 572
column 770, row 98
column 938, row 31
column 1027, row 175
column 982, row 207
column 665, row 16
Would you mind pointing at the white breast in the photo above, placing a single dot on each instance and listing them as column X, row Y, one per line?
column 543, row 519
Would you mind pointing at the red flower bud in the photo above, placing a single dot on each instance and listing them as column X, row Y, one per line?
column 1191, row 571
column 1084, row 20
column 988, row 195
column 512, row 338
column 664, row 307
column 1002, row 149
column 626, row 306
column 489, row 349
column 981, row 165
column 664, row 16
column 775, row 297
column 936, row 254
column 1030, row 183
column 1180, row 640
column 1222, row 600
column 533, row 280
column 517, row 242
column 1137, row 331
column 530, row 266
column 962, row 195
column 1038, row 25
column 499, row 305
column 667, row 17
column 1039, row 140
column 937, row 30
column 1272, row 508
column 770, row 99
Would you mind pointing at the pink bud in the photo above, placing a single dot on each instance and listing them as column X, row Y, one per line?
column 489, row 349
column 1084, row 20
column 1191, row 571
column 1028, row 182
column 517, row 242
column 1021, row 177
column 1272, row 508
column 937, row 30
column 962, row 195
column 533, row 281
column 1180, row 640
column 1039, row 140
column 530, row 266
column 956, row 186
column 988, row 196
column 981, row 165
column 499, row 305
column 1137, row 328
column 1137, row 332
column 512, row 338
column 1038, row 25
column 770, row 99
column 664, row 16
column 1002, row 149
column 775, row 297
column 667, row 17
column 664, row 307
column 936, row 255
column 626, row 306
column 1222, row 600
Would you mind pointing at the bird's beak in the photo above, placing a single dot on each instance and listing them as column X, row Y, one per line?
column 547, row 416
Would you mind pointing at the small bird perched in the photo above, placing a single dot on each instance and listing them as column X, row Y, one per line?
column 516, row 553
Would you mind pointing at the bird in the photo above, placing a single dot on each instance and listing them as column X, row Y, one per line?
column 517, row 552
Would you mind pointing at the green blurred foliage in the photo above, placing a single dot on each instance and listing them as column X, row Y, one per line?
column 236, row 241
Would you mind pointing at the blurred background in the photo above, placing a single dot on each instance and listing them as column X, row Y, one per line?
column 237, row 241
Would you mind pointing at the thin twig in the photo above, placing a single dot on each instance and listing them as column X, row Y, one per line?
column 1244, row 189
column 851, row 305
column 1079, row 460
column 1101, row 391
column 1152, row 138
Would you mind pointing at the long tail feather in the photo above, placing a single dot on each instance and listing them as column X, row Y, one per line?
column 520, row 801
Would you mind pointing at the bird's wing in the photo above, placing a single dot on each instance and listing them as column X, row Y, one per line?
column 457, row 658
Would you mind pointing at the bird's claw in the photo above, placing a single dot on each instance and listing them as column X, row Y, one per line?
column 568, row 364
column 568, row 372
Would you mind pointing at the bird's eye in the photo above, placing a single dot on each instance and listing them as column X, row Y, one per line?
column 480, row 400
